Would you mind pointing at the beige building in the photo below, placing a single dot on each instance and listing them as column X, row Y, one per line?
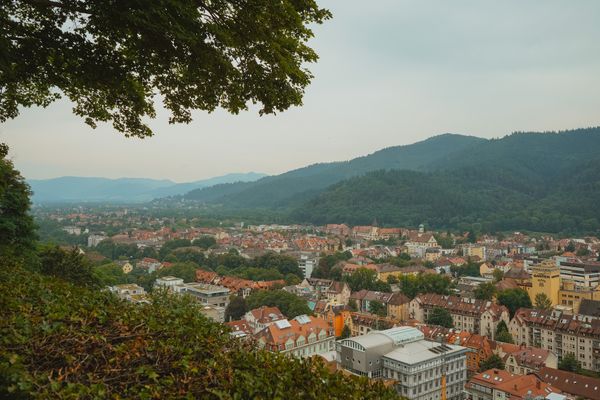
column 560, row 333
column 473, row 315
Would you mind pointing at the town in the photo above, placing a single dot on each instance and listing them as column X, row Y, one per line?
column 434, row 315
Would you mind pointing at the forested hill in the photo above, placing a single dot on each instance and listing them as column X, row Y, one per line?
column 537, row 181
column 292, row 187
column 548, row 181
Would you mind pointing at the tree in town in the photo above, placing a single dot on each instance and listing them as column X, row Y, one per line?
column 364, row 278
column 346, row 333
column 493, row 361
column 352, row 304
column 542, row 302
column 289, row 304
column 236, row 308
column 504, row 336
column 205, row 242
column 440, row 316
column 377, row 307
column 514, row 299
column 113, row 60
column 185, row 271
column 498, row 275
column 569, row 363
column 485, row 291
column 283, row 263
column 570, row 247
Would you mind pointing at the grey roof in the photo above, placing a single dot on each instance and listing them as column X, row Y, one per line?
column 421, row 350
column 590, row 307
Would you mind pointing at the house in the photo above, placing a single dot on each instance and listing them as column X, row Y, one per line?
column 524, row 360
column 334, row 292
column 362, row 323
column 334, row 314
column 259, row 318
column 418, row 243
column 130, row 292
column 303, row 336
column 498, row 384
column 474, row 315
column 480, row 346
column 577, row 386
column 396, row 304
column 240, row 329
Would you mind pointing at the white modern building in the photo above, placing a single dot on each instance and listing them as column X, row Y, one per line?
column 403, row 355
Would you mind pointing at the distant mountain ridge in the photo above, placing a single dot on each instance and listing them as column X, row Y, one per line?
column 301, row 184
column 542, row 181
column 95, row 189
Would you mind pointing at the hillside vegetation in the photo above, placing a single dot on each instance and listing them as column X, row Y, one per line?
column 548, row 182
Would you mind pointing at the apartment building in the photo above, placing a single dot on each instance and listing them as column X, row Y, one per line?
column 560, row 333
column 473, row 315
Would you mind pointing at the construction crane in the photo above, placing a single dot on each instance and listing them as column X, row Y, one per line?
column 443, row 380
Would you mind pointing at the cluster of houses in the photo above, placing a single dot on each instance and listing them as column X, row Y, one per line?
column 396, row 344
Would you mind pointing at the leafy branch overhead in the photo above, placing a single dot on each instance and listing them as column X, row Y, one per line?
column 113, row 59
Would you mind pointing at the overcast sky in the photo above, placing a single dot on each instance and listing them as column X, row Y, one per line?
column 390, row 72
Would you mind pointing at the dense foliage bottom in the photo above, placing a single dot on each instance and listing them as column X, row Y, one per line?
column 62, row 341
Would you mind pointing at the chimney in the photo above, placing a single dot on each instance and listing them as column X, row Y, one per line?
column 538, row 384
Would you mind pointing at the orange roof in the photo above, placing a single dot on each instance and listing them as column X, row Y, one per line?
column 276, row 335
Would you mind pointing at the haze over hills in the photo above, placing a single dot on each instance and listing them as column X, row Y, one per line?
column 532, row 181
column 300, row 184
column 89, row 189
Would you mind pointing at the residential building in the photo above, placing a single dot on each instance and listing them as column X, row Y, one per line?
column 149, row 264
column 576, row 385
column 207, row 295
column 572, row 295
column 560, row 333
column 362, row 323
column 168, row 282
column 396, row 304
column 307, row 263
column 334, row 314
column 334, row 292
column 259, row 318
column 589, row 310
column 130, row 292
column 495, row 384
column 474, row 250
column 524, row 360
column 476, row 316
column 303, row 336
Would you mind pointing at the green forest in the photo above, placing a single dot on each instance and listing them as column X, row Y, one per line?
column 542, row 182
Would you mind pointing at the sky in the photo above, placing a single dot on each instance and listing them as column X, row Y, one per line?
column 391, row 72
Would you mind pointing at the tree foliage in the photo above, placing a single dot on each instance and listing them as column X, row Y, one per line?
column 17, row 230
column 236, row 308
column 69, row 265
column 60, row 340
column 112, row 60
column 364, row 278
column 542, row 302
column 377, row 307
column 493, row 361
column 569, row 363
column 440, row 316
column 514, row 299
column 485, row 291
column 411, row 285
column 289, row 304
